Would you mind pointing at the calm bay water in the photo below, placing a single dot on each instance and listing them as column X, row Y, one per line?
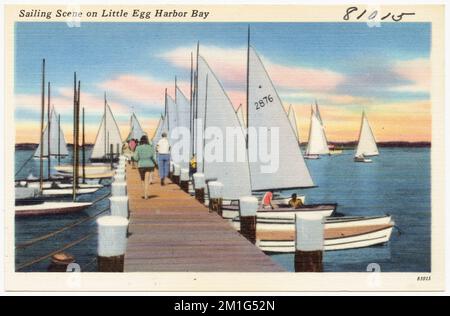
column 397, row 182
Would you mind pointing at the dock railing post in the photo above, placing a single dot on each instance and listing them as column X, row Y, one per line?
column 176, row 173
column 199, row 186
column 112, row 243
column 184, row 180
column 215, row 189
column 248, row 206
column 309, row 243
column 119, row 206
column 119, row 188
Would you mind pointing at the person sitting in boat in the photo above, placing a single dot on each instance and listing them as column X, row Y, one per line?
column 193, row 165
column 144, row 155
column 267, row 200
column 295, row 202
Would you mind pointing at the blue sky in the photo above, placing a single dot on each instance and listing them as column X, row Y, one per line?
column 364, row 64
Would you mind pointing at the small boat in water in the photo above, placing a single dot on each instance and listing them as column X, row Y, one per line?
column 317, row 142
column 335, row 238
column 367, row 146
column 287, row 213
column 89, row 169
column 288, row 225
column 49, row 208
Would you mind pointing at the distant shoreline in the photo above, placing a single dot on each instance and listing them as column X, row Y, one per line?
column 338, row 145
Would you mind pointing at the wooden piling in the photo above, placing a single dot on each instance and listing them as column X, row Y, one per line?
column 309, row 240
column 248, row 207
column 215, row 189
column 176, row 174
column 112, row 243
column 199, row 187
column 119, row 206
column 184, row 180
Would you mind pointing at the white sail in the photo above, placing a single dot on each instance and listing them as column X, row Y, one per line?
column 199, row 107
column 56, row 136
column 233, row 173
column 107, row 134
column 317, row 143
column 240, row 114
column 293, row 120
column 159, row 129
column 172, row 117
column 266, row 111
column 184, row 116
column 136, row 131
column 367, row 145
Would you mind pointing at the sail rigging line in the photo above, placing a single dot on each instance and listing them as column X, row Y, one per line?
column 67, row 246
column 41, row 163
column 23, row 165
column 248, row 83
column 48, row 132
column 59, row 139
column 84, row 151
column 190, row 109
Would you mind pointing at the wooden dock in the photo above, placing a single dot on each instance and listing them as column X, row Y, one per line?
column 173, row 232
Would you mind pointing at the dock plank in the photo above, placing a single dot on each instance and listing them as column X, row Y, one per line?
column 171, row 231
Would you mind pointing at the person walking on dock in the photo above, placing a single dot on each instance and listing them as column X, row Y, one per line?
column 144, row 155
column 163, row 149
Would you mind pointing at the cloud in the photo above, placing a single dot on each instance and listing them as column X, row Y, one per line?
column 417, row 72
column 63, row 102
column 144, row 90
column 230, row 65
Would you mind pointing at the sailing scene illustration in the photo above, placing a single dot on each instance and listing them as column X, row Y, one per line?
column 222, row 147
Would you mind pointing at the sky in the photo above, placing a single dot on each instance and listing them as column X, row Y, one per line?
column 346, row 67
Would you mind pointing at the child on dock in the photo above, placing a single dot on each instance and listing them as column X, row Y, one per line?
column 144, row 155
column 163, row 149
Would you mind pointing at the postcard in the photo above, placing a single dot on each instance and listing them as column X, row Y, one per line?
column 224, row 148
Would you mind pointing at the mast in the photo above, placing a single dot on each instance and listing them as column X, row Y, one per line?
column 104, row 125
column 75, row 167
column 84, row 152
column 41, row 163
column 190, row 109
column 59, row 139
column 204, row 120
column 165, row 109
column 196, row 98
column 248, row 79
column 48, row 131
column 77, row 140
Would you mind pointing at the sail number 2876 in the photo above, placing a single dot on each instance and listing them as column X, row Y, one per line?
column 263, row 101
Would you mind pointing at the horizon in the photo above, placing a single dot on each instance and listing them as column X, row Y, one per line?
column 347, row 67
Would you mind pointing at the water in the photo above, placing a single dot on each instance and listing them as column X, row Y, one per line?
column 397, row 182
column 33, row 227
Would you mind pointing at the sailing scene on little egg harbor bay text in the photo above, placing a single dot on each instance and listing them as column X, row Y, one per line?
column 222, row 147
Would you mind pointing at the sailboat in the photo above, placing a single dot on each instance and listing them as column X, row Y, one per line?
column 265, row 110
column 182, row 154
column 317, row 142
column 367, row 145
column 158, row 132
column 136, row 130
column 220, row 114
column 58, row 146
column 108, row 134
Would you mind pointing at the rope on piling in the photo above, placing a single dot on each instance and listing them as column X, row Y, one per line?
column 70, row 245
column 63, row 229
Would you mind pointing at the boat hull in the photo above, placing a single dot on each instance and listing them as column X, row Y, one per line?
column 50, row 208
column 284, row 213
column 373, row 235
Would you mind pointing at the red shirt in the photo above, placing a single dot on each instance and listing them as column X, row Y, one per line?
column 267, row 199
column 132, row 145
